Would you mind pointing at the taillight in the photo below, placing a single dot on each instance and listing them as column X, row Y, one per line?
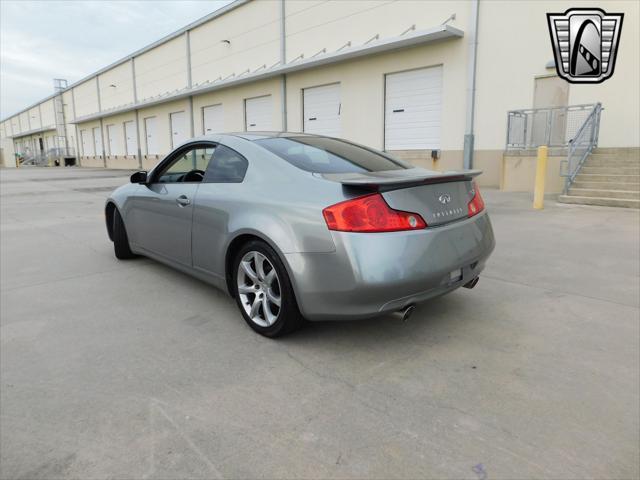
column 370, row 214
column 476, row 205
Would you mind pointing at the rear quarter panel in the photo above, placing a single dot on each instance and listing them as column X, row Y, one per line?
column 276, row 201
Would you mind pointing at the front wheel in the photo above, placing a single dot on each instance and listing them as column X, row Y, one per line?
column 120, row 239
column 263, row 291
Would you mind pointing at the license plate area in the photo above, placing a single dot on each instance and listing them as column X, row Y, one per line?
column 455, row 275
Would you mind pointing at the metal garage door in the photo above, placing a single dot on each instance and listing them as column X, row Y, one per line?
column 87, row 144
column 178, row 128
column 212, row 119
column 113, row 140
column 258, row 114
column 131, row 138
column 97, row 141
column 413, row 107
column 151, row 135
column 322, row 110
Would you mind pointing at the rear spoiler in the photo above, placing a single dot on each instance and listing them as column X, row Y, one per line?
column 394, row 178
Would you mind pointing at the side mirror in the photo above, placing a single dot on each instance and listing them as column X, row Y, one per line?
column 139, row 177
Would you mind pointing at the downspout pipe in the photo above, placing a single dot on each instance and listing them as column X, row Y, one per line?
column 283, row 60
column 469, row 137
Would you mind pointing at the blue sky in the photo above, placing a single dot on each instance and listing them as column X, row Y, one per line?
column 43, row 40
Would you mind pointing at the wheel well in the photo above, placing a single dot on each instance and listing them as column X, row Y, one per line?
column 108, row 217
column 236, row 244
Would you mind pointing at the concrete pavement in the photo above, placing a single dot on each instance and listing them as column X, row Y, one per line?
column 113, row 369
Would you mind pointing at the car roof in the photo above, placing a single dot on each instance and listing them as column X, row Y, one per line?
column 251, row 136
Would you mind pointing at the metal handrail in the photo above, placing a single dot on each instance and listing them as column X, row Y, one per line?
column 580, row 146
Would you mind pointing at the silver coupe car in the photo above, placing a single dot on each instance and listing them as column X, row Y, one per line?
column 303, row 227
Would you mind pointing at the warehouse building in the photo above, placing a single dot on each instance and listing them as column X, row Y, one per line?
column 429, row 81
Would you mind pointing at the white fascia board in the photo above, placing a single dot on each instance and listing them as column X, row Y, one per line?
column 440, row 32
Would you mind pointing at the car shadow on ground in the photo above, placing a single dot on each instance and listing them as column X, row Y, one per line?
column 432, row 322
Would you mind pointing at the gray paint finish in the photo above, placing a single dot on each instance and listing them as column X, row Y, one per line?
column 335, row 275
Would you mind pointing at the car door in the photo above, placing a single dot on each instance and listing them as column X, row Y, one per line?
column 160, row 216
column 221, row 195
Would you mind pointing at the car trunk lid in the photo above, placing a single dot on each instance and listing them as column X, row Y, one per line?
column 438, row 197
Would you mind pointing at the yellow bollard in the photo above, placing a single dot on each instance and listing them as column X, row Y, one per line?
column 541, row 172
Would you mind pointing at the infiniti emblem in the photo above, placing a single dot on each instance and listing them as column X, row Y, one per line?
column 444, row 198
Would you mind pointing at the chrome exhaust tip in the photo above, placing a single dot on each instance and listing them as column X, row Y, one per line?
column 472, row 283
column 405, row 313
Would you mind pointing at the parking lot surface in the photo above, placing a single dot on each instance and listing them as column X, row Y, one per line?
column 113, row 369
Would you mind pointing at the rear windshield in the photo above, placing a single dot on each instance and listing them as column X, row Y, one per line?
column 328, row 155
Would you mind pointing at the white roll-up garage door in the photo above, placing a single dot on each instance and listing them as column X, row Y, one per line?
column 87, row 144
column 413, row 109
column 322, row 110
column 178, row 128
column 131, row 137
column 114, row 140
column 97, row 141
column 151, row 135
column 258, row 114
column 212, row 119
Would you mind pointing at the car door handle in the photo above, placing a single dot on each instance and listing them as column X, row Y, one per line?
column 183, row 201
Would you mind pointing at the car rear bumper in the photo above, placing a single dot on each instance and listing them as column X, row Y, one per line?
column 372, row 274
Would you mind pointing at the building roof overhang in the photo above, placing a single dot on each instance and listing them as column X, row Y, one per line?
column 34, row 131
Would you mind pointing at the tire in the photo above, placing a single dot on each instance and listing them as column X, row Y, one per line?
column 276, row 320
column 120, row 239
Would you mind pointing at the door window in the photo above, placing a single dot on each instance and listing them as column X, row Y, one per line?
column 187, row 166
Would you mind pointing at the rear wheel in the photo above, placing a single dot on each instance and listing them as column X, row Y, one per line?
column 120, row 239
column 263, row 291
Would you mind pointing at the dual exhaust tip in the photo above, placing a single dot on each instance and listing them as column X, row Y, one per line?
column 406, row 312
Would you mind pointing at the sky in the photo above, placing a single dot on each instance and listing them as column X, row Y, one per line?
column 47, row 39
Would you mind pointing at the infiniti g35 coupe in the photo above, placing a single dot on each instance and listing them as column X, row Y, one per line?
column 302, row 227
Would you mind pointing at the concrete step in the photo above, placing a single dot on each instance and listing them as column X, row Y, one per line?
column 592, row 192
column 612, row 162
column 610, row 169
column 594, row 177
column 606, row 202
column 625, row 151
column 607, row 185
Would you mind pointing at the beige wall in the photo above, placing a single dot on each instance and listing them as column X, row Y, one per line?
column 519, row 173
column 34, row 118
column 122, row 92
column 314, row 25
column 86, row 97
column 254, row 33
column 47, row 110
column 24, row 122
column 163, row 69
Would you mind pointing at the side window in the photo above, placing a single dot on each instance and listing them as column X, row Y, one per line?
column 187, row 166
column 227, row 166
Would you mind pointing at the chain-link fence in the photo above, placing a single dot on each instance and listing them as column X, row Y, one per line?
column 554, row 126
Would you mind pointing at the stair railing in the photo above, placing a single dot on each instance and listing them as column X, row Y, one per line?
column 580, row 146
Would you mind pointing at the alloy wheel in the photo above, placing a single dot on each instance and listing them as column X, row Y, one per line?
column 259, row 289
